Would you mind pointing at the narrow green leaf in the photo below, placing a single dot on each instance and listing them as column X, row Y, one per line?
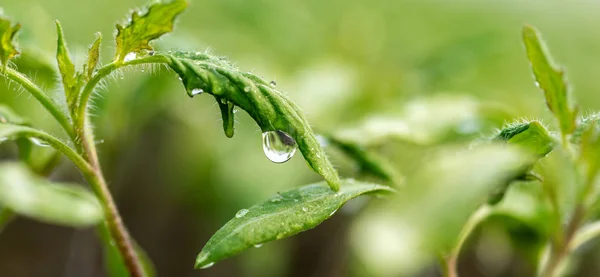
column 550, row 79
column 93, row 57
column 27, row 194
column 284, row 215
column 8, row 48
column 368, row 161
column 269, row 107
column 70, row 78
column 141, row 29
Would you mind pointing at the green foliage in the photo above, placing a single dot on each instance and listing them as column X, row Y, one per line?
column 29, row 195
column 8, row 33
column 284, row 215
column 71, row 79
column 93, row 57
column 550, row 79
column 589, row 151
column 141, row 29
column 269, row 107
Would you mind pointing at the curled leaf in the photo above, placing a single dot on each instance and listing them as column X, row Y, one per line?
column 29, row 195
column 8, row 48
column 284, row 215
column 550, row 79
column 269, row 107
column 141, row 29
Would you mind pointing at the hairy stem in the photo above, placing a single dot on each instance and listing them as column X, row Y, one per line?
column 46, row 101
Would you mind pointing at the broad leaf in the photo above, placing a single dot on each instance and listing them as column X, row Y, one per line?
column 70, row 77
column 284, row 215
column 550, row 79
column 29, row 195
column 93, row 57
column 8, row 48
column 403, row 236
column 269, row 107
column 141, row 29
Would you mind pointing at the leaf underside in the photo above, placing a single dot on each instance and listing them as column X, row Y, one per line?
column 269, row 107
column 283, row 215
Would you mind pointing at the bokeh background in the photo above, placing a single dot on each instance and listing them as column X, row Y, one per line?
column 177, row 178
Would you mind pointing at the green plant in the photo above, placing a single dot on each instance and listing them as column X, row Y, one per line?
column 485, row 180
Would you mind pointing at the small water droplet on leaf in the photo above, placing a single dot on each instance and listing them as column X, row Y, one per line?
column 207, row 265
column 39, row 142
column 130, row 57
column 304, row 209
column 197, row 91
column 258, row 245
column 241, row 213
column 273, row 83
column 278, row 146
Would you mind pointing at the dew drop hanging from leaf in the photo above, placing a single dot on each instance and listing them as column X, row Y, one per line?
column 38, row 142
column 278, row 146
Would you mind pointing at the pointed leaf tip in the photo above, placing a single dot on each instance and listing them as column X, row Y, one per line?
column 8, row 47
column 550, row 78
column 284, row 215
column 141, row 29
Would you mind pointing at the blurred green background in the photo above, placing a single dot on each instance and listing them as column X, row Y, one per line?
column 177, row 178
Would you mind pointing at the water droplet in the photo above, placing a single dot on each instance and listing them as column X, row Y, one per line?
column 179, row 78
column 273, row 83
column 257, row 245
column 241, row 213
column 39, row 142
column 235, row 110
column 332, row 213
column 208, row 265
column 130, row 57
column 247, row 89
column 305, row 209
column 197, row 91
column 537, row 84
column 278, row 146
column 151, row 53
column 143, row 69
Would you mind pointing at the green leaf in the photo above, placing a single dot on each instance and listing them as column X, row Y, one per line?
column 550, row 79
column 269, row 107
column 70, row 78
column 27, row 194
column 141, row 29
column 283, row 215
column 8, row 48
column 368, row 161
column 93, row 57
column 408, row 231
column 531, row 136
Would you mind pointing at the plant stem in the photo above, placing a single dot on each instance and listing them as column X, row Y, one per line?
column 101, row 74
column 561, row 249
column 451, row 264
column 46, row 101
